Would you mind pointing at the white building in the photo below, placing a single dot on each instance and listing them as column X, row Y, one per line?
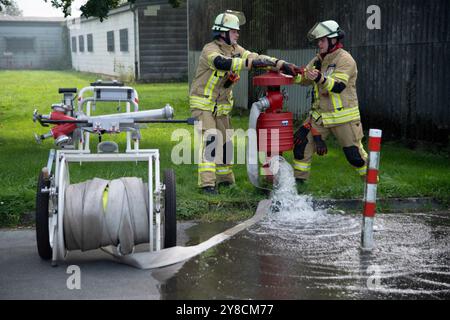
column 146, row 41
column 106, row 48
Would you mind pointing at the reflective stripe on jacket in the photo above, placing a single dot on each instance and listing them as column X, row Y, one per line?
column 208, row 91
column 334, row 108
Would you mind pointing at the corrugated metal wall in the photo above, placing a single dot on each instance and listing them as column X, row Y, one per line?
column 404, row 69
column 162, row 41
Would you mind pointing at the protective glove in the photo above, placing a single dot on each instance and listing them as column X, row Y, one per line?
column 321, row 147
column 292, row 70
column 301, row 134
column 299, row 70
column 262, row 63
column 289, row 69
column 233, row 78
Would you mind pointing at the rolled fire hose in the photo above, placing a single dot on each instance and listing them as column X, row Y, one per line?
column 100, row 213
column 123, row 222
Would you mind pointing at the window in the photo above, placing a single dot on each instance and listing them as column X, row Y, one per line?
column 19, row 44
column 90, row 43
column 110, row 41
column 81, row 43
column 124, row 40
column 74, row 44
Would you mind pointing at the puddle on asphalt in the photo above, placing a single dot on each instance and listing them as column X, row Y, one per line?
column 299, row 253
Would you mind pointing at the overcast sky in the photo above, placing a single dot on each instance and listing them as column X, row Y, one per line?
column 39, row 8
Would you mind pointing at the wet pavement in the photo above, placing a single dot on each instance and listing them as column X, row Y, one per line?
column 318, row 257
column 303, row 255
column 299, row 252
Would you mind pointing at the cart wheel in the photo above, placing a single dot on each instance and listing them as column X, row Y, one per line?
column 170, row 209
column 42, row 232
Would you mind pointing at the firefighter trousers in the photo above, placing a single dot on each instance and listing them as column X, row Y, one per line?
column 215, row 150
column 349, row 136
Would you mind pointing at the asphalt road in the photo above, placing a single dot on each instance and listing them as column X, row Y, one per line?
column 23, row 275
column 310, row 256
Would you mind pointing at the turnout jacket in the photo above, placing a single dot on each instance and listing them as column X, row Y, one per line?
column 335, row 99
column 208, row 91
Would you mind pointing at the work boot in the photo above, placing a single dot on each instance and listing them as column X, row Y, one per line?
column 209, row 191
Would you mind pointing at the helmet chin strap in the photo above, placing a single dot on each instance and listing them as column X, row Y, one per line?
column 330, row 45
column 227, row 38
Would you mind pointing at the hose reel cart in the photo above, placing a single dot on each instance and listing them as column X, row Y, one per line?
column 118, row 214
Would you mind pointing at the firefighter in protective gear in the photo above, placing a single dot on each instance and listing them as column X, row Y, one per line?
column 211, row 97
column 335, row 107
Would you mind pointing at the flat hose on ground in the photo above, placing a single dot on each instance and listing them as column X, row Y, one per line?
column 90, row 224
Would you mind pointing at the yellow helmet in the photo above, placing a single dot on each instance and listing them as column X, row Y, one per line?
column 329, row 29
column 229, row 20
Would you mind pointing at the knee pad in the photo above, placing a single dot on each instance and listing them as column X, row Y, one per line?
column 299, row 150
column 354, row 157
column 210, row 150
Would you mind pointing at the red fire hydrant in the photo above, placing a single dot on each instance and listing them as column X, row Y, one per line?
column 275, row 127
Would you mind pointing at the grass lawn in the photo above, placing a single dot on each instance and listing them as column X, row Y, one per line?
column 404, row 172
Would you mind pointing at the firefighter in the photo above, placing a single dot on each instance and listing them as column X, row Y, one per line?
column 211, row 97
column 335, row 109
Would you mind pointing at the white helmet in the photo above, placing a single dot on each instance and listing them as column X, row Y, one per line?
column 230, row 20
column 329, row 29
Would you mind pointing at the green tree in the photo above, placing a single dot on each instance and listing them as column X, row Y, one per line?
column 92, row 8
column 4, row 4
column 11, row 8
column 96, row 8
column 176, row 3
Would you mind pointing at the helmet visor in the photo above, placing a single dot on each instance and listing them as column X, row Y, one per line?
column 319, row 30
column 240, row 15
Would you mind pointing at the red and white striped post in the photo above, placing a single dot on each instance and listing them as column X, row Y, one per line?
column 370, row 194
